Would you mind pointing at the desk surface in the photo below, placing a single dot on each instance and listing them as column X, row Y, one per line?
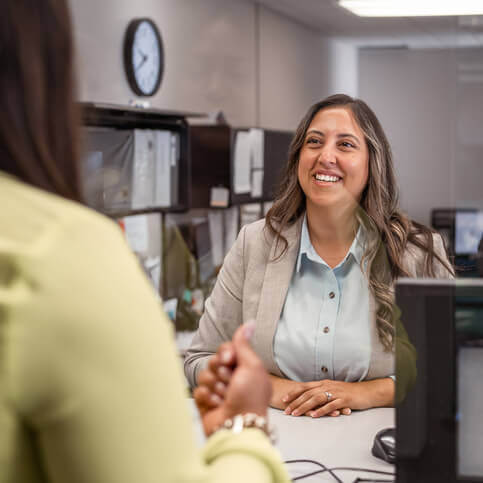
column 345, row 441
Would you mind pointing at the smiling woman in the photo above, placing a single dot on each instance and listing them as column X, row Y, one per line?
column 333, row 164
column 317, row 274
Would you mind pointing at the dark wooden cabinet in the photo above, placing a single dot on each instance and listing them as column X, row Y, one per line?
column 212, row 151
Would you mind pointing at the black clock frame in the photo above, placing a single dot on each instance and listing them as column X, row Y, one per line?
column 128, row 48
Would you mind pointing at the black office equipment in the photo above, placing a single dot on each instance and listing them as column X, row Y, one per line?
column 442, row 220
column 462, row 230
column 439, row 425
column 384, row 446
column 468, row 231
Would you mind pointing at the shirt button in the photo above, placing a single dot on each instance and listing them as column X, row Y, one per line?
column 324, row 369
column 326, row 330
column 331, row 295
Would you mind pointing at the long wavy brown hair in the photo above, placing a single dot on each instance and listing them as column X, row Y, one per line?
column 39, row 120
column 389, row 230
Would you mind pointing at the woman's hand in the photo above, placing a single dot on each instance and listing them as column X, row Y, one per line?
column 246, row 388
column 322, row 398
column 283, row 387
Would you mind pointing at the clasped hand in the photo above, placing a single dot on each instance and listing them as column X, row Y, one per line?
column 235, row 382
column 322, row 398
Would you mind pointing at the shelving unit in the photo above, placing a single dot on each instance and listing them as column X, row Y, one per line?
column 127, row 117
column 115, row 117
column 212, row 163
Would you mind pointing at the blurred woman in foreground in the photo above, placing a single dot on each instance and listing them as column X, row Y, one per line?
column 90, row 385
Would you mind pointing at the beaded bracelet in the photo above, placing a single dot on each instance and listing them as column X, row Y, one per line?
column 249, row 420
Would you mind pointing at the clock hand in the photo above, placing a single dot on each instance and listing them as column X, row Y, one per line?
column 145, row 58
column 141, row 53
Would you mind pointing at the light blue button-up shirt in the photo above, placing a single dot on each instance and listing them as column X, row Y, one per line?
column 324, row 332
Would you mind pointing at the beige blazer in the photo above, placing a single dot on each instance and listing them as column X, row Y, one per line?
column 251, row 286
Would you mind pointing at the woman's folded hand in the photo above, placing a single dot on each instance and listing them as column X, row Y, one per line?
column 322, row 398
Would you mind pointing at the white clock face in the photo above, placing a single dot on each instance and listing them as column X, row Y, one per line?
column 146, row 57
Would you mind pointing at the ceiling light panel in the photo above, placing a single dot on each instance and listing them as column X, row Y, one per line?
column 413, row 8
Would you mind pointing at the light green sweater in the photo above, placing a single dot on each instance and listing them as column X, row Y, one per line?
column 91, row 389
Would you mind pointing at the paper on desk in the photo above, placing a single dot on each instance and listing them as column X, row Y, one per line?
column 136, row 227
column 215, row 224
column 257, row 137
column 242, row 163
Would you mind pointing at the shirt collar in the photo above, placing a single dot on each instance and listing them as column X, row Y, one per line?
column 356, row 249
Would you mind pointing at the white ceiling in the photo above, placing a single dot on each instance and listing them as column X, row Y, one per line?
column 328, row 18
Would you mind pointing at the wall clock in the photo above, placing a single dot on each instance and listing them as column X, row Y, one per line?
column 143, row 56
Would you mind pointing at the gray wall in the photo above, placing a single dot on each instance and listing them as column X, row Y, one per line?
column 257, row 66
column 432, row 113
column 294, row 70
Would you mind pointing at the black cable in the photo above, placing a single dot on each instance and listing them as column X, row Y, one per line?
column 365, row 470
column 323, row 470
column 351, row 469
column 312, row 474
column 363, row 480
column 331, row 471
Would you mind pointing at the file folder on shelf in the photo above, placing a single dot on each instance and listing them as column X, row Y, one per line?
column 174, row 171
column 163, row 169
column 143, row 172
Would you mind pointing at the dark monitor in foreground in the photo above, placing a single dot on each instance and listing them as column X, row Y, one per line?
column 439, row 426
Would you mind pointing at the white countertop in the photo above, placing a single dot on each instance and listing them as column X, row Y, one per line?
column 344, row 441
